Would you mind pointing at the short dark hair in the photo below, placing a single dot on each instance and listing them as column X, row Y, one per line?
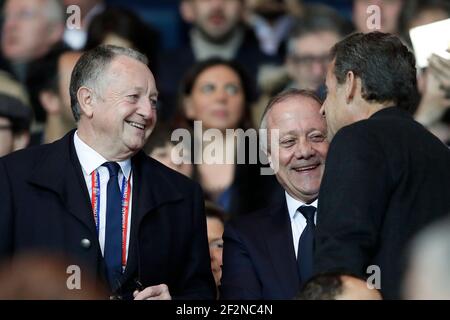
column 126, row 24
column 191, row 76
column 413, row 8
column 214, row 211
column 90, row 68
column 324, row 286
column 383, row 63
column 318, row 18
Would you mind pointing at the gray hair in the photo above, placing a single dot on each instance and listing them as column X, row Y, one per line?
column 91, row 67
column 283, row 96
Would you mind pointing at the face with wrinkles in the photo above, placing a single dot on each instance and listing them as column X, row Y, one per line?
column 302, row 145
column 122, row 114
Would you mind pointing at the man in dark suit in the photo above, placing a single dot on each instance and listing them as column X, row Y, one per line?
column 95, row 198
column 386, row 175
column 268, row 254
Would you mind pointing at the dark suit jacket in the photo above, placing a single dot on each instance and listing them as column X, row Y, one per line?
column 259, row 257
column 46, row 207
column 386, row 177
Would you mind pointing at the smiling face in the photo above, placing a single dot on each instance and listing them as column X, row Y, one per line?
column 123, row 114
column 217, row 98
column 302, row 146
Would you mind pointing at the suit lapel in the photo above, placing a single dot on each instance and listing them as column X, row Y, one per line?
column 151, row 189
column 60, row 172
column 278, row 237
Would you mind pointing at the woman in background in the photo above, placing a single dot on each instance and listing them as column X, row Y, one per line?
column 216, row 93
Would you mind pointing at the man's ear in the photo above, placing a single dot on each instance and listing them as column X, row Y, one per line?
column 350, row 86
column 189, row 108
column 85, row 98
column 21, row 140
column 50, row 102
column 187, row 11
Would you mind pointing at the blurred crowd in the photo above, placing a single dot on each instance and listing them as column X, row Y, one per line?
column 235, row 56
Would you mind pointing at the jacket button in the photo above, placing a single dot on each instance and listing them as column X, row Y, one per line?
column 85, row 243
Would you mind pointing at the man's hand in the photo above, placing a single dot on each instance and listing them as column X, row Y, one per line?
column 440, row 68
column 159, row 292
column 435, row 84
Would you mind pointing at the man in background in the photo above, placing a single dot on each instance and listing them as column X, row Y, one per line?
column 31, row 35
column 217, row 30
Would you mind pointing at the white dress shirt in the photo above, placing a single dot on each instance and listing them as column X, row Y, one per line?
column 91, row 161
column 298, row 221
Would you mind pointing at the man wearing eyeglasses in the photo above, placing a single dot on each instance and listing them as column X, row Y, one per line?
column 308, row 47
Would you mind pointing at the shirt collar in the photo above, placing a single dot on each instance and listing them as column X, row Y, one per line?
column 90, row 159
column 294, row 204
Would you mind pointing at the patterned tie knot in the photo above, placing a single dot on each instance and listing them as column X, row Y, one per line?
column 113, row 168
column 308, row 212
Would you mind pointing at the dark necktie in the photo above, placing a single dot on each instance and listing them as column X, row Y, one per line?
column 113, row 234
column 306, row 245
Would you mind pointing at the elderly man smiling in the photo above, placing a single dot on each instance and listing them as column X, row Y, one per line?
column 96, row 198
column 268, row 254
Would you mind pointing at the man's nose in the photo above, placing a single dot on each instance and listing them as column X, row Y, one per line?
column 304, row 149
column 146, row 109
